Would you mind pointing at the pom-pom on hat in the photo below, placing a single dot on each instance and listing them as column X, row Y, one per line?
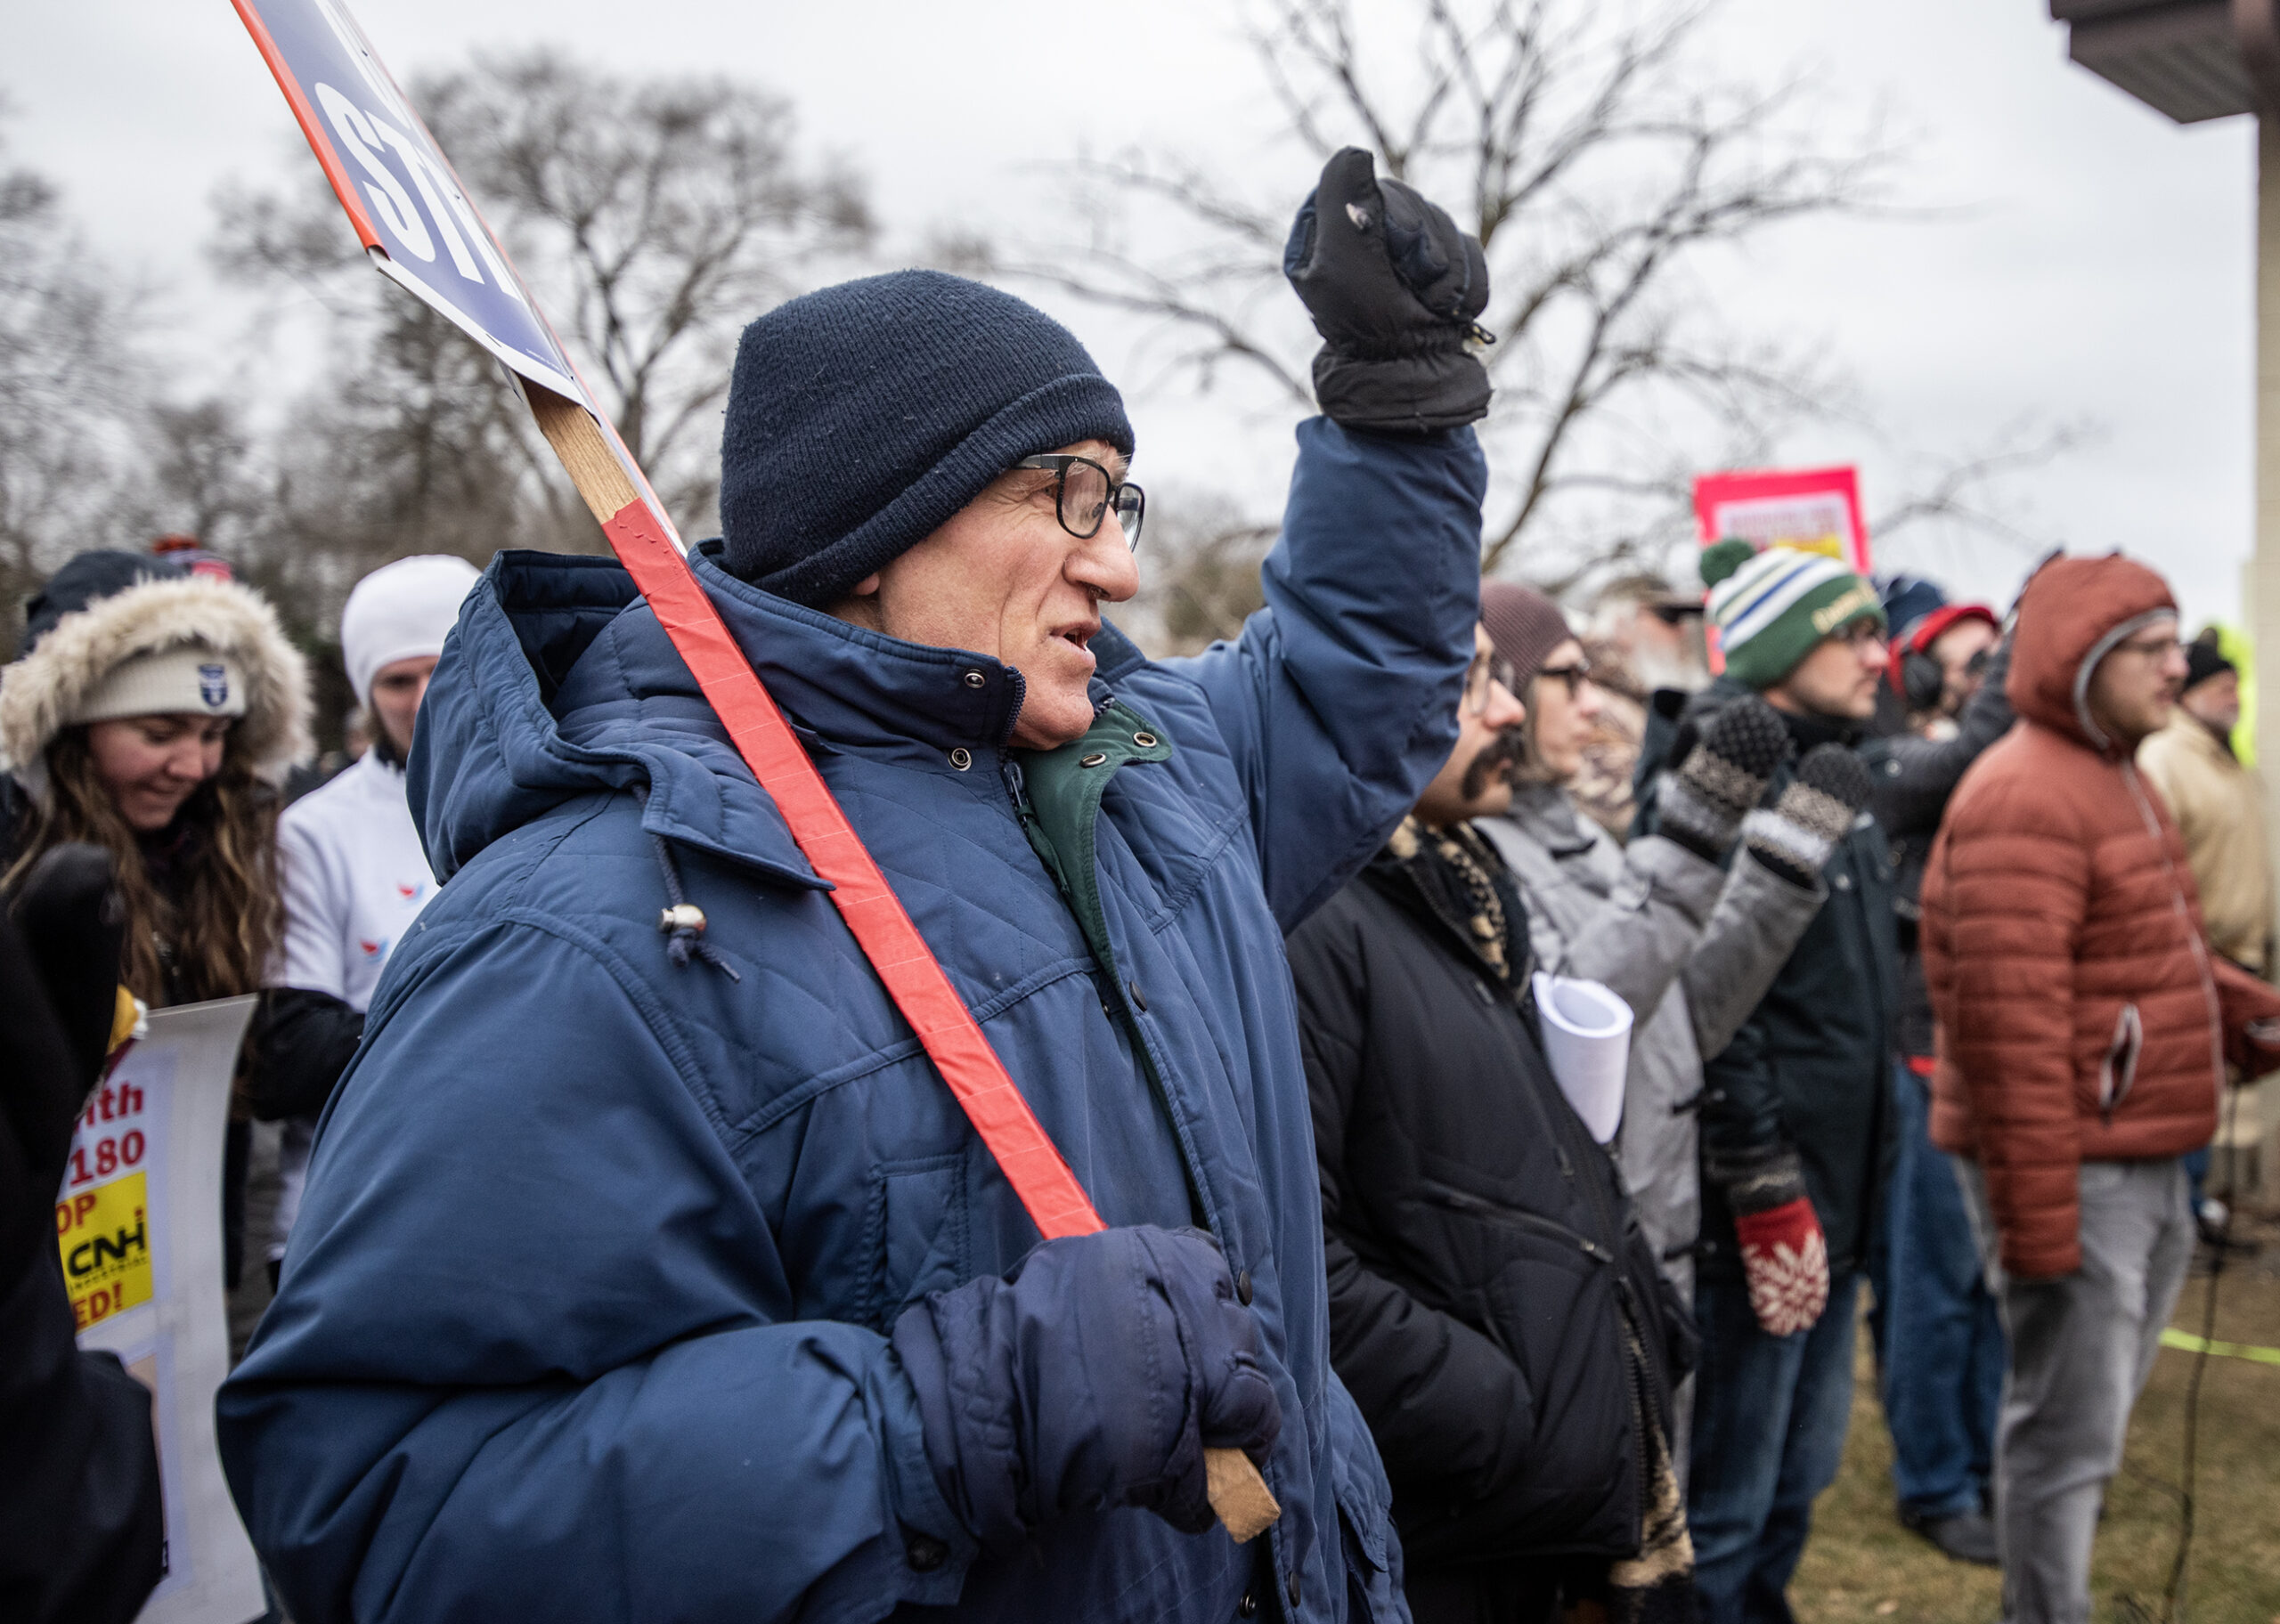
column 862, row 417
column 1770, row 608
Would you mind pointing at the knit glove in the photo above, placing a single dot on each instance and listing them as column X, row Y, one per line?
column 1796, row 834
column 1094, row 1374
column 1702, row 804
column 1394, row 288
column 1785, row 1256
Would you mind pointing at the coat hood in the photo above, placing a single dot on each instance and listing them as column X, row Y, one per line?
column 2071, row 615
column 558, row 682
column 39, row 692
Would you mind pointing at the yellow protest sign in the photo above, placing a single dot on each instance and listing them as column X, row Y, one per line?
column 104, row 1237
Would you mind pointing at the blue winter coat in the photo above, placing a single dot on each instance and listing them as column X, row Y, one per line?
column 584, row 1313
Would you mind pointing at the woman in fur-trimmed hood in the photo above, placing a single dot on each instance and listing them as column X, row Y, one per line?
column 152, row 711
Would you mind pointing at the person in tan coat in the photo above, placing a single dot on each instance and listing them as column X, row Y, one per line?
column 2218, row 806
column 2084, row 1027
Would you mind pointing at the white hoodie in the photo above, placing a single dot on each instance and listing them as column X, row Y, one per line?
column 354, row 877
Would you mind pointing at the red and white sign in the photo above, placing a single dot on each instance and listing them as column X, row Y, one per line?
column 1815, row 510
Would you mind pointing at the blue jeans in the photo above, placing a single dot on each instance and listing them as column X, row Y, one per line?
column 1769, row 1414
column 1943, row 1367
column 2196, row 1174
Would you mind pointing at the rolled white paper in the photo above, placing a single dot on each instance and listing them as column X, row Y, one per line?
column 1587, row 1043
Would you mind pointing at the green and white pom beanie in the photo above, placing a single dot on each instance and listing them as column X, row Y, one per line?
column 1770, row 608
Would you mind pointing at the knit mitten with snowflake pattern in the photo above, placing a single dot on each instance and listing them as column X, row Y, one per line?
column 1785, row 1256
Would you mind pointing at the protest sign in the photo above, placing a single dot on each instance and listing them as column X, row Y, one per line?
column 138, row 1223
column 377, row 155
column 1816, row 510
column 409, row 210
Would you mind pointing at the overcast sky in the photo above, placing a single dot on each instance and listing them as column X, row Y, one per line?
column 2075, row 256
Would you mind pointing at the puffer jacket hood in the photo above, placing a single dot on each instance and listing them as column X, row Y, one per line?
column 2070, row 616
column 92, row 617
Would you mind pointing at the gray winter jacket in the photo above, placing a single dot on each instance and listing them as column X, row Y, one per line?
column 1691, row 948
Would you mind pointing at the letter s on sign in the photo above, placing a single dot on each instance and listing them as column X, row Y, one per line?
column 390, row 201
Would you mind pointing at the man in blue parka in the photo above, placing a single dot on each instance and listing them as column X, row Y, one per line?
column 646, row 1273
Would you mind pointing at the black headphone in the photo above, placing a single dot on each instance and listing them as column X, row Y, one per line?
column 1922, row 680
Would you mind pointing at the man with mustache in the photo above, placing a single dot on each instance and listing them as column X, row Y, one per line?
column 1495, row 1306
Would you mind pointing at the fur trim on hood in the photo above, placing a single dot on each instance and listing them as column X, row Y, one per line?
column 46, row 686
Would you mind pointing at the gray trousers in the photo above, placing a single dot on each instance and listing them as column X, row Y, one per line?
column 2081, row 1348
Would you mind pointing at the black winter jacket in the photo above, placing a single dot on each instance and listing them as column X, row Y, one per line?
column 1913, row 779
column 1483, row 1259
column 1812, row 1069
column 81, row 1526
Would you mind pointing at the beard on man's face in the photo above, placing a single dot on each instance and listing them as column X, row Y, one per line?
column 1496, row 758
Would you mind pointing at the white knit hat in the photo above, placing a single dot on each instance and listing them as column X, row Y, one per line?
column 402, row 610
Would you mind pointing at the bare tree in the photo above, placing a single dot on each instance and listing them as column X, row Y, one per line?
column 68, row 371
column 1202, row 578
column 654, row 218
column 1599, row 164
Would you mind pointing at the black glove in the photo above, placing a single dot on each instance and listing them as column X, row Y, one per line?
column 73, row 923
column 302, row 1041
column 1394, row 288
column 1094, row 1375
column 1701, row 805
column 1796, row 834
column 67, row 926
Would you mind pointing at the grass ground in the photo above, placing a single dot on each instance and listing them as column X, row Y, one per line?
column 1863, row 1565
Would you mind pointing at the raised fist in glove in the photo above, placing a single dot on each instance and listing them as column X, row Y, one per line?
column 1094, row 1374
column 1394, row 288
column 1701, row 804
column 1796, row 834
column 1785, row 1257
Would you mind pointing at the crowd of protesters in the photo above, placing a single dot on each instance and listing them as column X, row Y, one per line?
column 631, row 1258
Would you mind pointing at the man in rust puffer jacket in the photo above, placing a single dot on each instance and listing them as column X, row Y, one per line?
column 2084, row 1028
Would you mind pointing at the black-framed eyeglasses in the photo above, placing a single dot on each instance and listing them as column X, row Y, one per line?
column 1084, row 492
column 1575, row 674
column 1481, row 676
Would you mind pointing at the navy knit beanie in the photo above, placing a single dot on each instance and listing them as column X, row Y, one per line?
column 862, row 417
